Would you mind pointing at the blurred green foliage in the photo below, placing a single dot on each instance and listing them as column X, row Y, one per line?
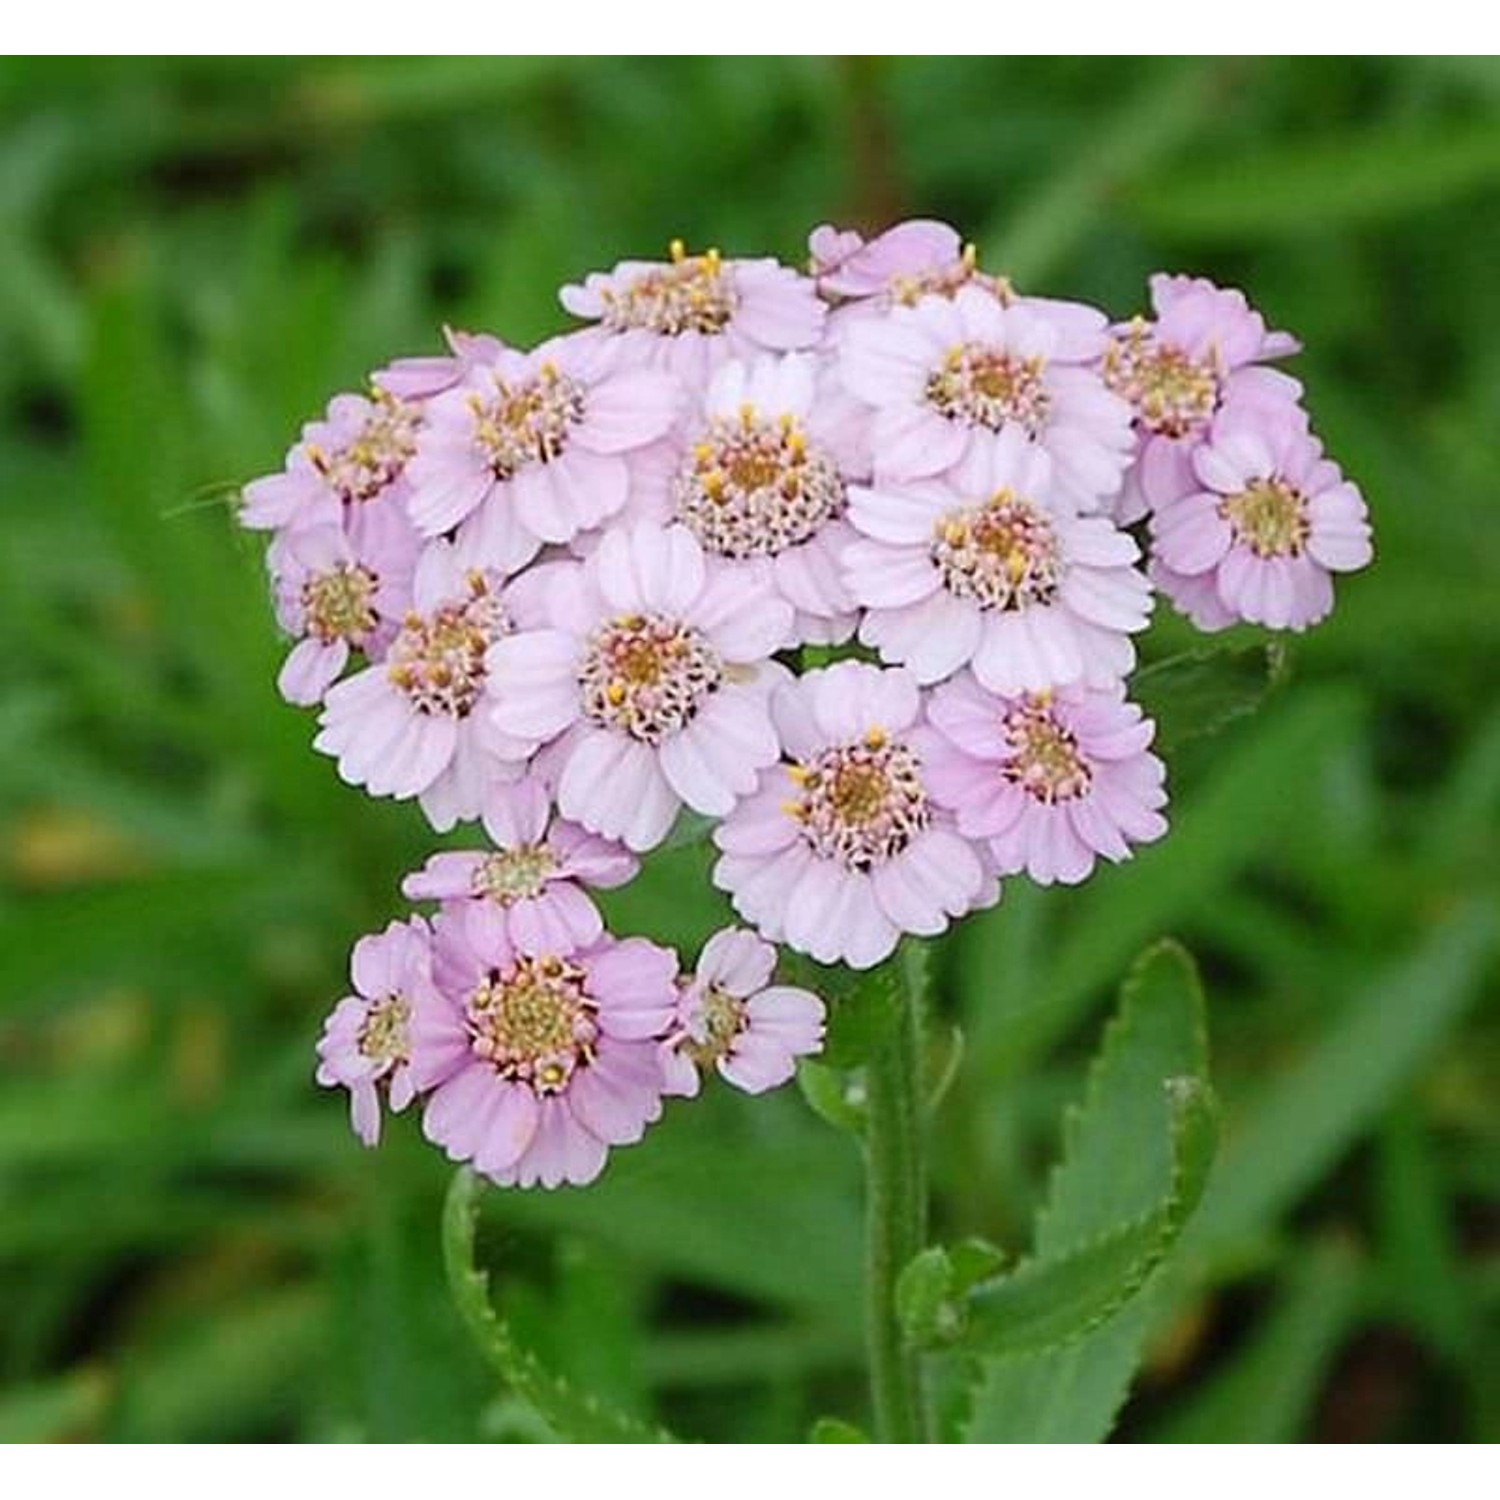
column 194, row 255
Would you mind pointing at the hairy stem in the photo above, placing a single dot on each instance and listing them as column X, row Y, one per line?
column 896, row 1207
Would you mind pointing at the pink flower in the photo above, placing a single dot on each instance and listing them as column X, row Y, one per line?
column 366, row 1042
column 355, row 456
column 911, row 260
column 981, row 568
column 1052, row 780
column 534, row 448
column 417, row 377
column 1204, row 351
column 417, row 724
column 730, row 1016
column 657, row 671
column 841, row 852
column 948, row 376
column 529, row 888
column 1266, row 517
column 541, row 1061
column 692, row 312
column 337, row 599
column 761, row 484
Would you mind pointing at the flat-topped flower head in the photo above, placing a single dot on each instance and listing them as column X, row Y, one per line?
column 1266, row 519
column 842, row 850
column 416, row 724
column 539, row 1061
column 982, row 568
column 534, row 448
column 530, row 888
column 366, row 1042
column 338, row 601
column 1204, row 350
column 356, row 455
column 948, row 376
column 656, row 672
column 691, row 312
column 914, row 259
column 1053, row 781
column 761, row 485
column 731, row 1018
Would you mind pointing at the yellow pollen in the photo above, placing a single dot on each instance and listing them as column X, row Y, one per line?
column 615, row 692
column 678, row 251
column 875, row 737
column 799, row 773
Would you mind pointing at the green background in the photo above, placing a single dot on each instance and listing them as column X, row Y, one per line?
column 193, row 256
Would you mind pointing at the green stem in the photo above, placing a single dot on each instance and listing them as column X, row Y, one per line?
column 896, row 1208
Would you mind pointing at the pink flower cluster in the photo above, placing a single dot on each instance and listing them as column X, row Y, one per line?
column 842, row 560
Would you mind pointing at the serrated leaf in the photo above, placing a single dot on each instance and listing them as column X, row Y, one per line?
column 1121, row 1161
column 1201, row 692
column 574, row 1415
column 1049, row 1302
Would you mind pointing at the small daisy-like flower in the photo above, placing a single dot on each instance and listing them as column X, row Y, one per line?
column 1053, row 781
column 338, row 601
column 534, row 448
column 732, row 1018
column 842, row 851
column 366, row 1043
column 529, row 887
column 911, row 260
column 419, row 376
column 980, row 568
column 1267, row 517
column 540, row 1061
column 1204, row 350
column 657, row 671
column 950, row 375
column 356, row 455
column 691, row 312
column 761, row 485
column 417, row 723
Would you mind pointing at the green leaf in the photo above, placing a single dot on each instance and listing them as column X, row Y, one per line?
column 1134, row 1162
column 1201, row 692
column 574, row 1415
column 832, row 1430
column 1313, row 1112
column 61, row 1410
column 1266, row 1393
column 1311, row 187
column 1050, row 1302
column 835, row 1096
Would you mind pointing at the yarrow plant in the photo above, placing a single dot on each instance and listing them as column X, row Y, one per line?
column 843, row 568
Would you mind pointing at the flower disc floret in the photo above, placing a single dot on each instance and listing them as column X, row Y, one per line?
column 694, row 293
column 438, row 660
column 1046, row 761
column 339, row 604
column 534, row 1022
column 753, row 486
column 375, row 455
column 1269, row 516
column 1004, row 553
column 648, row 675
column 528, row 421
column 1173, row 393
column 861, row 804
column 988, row 387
